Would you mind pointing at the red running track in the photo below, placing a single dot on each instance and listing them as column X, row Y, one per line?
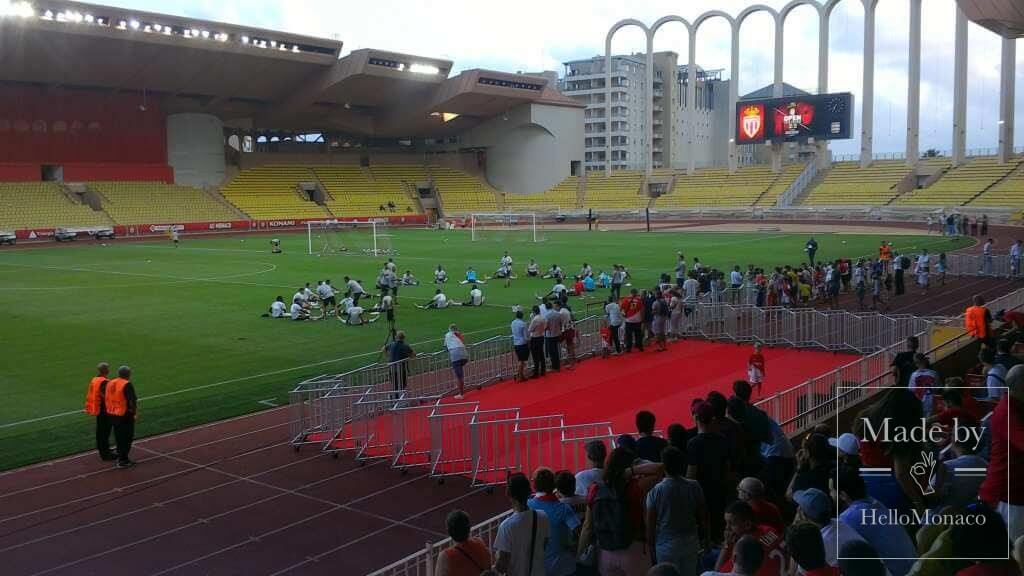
column 233, row 498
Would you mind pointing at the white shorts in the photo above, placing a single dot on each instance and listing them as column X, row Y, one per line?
column 754, row 376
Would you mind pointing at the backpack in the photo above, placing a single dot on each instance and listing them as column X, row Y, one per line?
column 905, row 262
column 611, row 520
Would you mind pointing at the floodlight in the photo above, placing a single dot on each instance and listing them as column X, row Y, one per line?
column 194, row 32
column 134, row 24
column 20, row 9
column 121, row 25
column 424, row 69
column 245, row 39
column 273, row 43
column 48, row 15
column 295, row 48
column 89, row 18
column 205, row 33
column 147, row 28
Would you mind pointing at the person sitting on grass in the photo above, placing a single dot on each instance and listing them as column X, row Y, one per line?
column 353, row 314
column 588, row 284
column 578, row 288
column 603, row 279
column 471, row 277
column 438, row 302
column 409, row 280
column 440, row 276
column 554, row 273
column 532, row 269
column 298, row 312
column 278, row 309
column 476, row 297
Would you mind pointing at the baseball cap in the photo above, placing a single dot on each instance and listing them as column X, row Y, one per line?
column 846, row 443
column 816, row 504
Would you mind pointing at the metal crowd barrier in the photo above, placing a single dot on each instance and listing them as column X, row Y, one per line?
column 998, row 265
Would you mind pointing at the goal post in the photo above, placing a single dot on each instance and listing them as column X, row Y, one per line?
column 504, row 226
column 341, row 237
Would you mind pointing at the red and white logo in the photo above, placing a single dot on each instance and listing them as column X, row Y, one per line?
column 752, row 123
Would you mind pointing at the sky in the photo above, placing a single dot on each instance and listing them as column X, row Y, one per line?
column 535, row 35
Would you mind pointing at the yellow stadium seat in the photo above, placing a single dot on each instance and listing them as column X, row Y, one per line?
column 358, row 192
column 561, row 197
column 716, row 187
column 156, row 202
column 619, row 191
column 270, row 192
column 848, row 183
column 44, row 205
column 461, row 193
column 962, row 184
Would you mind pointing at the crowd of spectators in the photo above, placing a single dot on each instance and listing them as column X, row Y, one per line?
column 733, row 495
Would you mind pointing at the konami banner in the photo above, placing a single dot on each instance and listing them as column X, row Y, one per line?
column 795, row 118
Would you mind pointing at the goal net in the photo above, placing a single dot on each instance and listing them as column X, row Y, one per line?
column 522, row 227
column 340, row 238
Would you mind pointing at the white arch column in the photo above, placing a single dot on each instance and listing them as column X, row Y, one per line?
column 868, row 105
column 691, row 104
column 821, row 146
column 777, row 89
column 607, row 103
column 914, row 85
column 960, row 89
column 734, row 81
column 1006, row 94
column 649, row 106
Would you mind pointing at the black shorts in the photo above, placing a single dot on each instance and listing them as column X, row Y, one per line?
column 522, row 352
column 329, row 301
column 532, row 273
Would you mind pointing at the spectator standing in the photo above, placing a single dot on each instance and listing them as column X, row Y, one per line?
column 891, row 541
column 648, row 446
column 615, row 321
column 538, row 325
column 596, row 454
column 659, row 320
column 520, row 543
column 680, row 270
column 903, row 364
column 559, row 555
column 1002, row 492
column 986, row 255
column 984, row 224
column 568, row 335
column 459, row 356
column 553, row 335
column 521, row 344
column 779, row 462
column 978, row 320
column 814, row 463
column 398, row 352
column 618, row 277
column 898, row 266
column 1015, row 256
column 811, row 249
column 708, row 460
column 633, row 310
column 676, row 515
column 995, row 374
column 95, row 406
column 121, row 405
column 468, row 556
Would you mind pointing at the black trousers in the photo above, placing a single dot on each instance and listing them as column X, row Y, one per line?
column 551, row 346
column 103, row 428
column 810, row 256
column 537, row 353
column 900, row 286
column 634, row 335
column 399, row 376
column 616, row 290
column 124, row 434
column 616, row 339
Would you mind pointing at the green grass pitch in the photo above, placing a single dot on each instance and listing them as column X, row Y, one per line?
column 188, row 319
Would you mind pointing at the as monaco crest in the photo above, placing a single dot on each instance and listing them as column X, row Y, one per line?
column 752, row 122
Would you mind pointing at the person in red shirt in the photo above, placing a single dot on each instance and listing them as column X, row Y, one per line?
column 751, row 491
column 1003, row 491
column 467, row 556
column 577, row 287
column 1012, row 317
column 740, row 521
column 805, row 545
column 756, row 368
column 633, row 310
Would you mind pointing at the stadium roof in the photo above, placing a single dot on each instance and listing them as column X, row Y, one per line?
column 253, row 78
column 1004, row 17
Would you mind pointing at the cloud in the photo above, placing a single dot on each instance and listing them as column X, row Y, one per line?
column 533, row 35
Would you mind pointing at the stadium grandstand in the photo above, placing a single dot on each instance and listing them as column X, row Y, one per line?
column 280, row 291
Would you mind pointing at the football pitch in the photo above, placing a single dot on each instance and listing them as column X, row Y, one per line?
column 188, row 319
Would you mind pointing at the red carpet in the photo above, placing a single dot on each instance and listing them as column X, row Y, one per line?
column 615, row 389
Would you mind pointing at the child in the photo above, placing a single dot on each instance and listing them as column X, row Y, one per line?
column 578, row 288
column 606, row 342
column 756, row 369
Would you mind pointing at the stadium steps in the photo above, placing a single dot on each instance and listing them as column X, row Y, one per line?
column 44, row 205
column 846, row 183
column 216, row 197
column 269, row 192
column 717, row 187
column 461, row 193
column 961, row 185
column 783, row 180
column 561, row 196
column 619, row 191
column 1007, row 191
column 156, row 202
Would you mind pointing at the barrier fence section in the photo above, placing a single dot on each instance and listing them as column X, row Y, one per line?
column 998, row 265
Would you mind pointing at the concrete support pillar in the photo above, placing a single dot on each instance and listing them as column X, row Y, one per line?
column 960, row 89
column 691, row 106
column 821, row 147
column 867, row 115
column 777, row 90
column 649, row 106
column 1006, row 95
column 914, row 85
column 734, row 80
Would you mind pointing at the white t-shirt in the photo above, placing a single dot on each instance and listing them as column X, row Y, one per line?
column 1015, row 250
column 476, row 296
column 277, row 309
column 386, row 302
column 506, row 260
column 736, row 277
column 586, row 478
column 355, row 315
column 690, row 288
column 513, row 538
column 559, row 288
column 923, row 261
column 440, row 300
column 345, row 304
column 325, row 290
column 566, row 319
column 614, row 313
column 987, row 249
column 390, row 266
column 307, row 294
column 440, row 274
column 296, row 311
column 174, row 234
column 300, row 295
column 531, row 267
column 355, row 287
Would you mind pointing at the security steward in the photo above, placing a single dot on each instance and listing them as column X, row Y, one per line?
column 95, row 405
column 122, row 407
column 978, row 321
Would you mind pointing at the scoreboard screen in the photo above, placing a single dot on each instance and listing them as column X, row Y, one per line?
column 795, row 118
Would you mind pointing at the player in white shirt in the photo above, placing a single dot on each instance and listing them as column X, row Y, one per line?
column 390, row 265
column 922, row 267
column 355, row 290
column 506, row 260
column 532, row 269
column 298, row 312
column 327, row 301
column 1015, row 256
column 476, row 297
column 555, row 272
column 409, row 280
column 174, row 236
column 440, row 276
column 278, row 309
column 586, row 271
column 439, row 301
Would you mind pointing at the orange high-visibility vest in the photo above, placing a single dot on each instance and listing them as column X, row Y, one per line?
column 885, row 253
column 93, row 397
column 117, row 403
column 974, row 321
